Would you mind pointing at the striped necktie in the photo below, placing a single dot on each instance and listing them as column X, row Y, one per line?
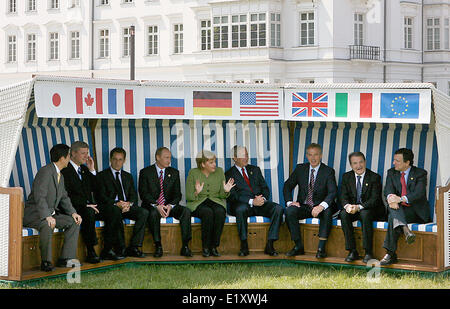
column 309, row 198
column 358, row 191
column 161, row 200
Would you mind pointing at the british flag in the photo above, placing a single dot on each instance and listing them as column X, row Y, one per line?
column 309, row 104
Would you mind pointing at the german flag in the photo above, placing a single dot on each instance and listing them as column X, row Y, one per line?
column 212, row 103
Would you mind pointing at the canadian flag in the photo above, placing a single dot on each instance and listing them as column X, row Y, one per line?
column 88, row 98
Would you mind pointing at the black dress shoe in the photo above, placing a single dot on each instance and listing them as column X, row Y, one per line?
column 214, row 252
column 270, row 250
column 352, row 256
column 206, row 252
column 134, row 252
column 185, row 251
column 321, row 254
column 296, row 251
column 388, row 259
column 367, row 258
column 110, row 255
column 158, row 252
column 243, row 252
column 410, row 237
column 68, row 263
column 92, row 256
column 46, row 266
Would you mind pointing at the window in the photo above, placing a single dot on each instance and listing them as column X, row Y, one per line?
column 239, row 31
column 12, row 48
column 31, row 5
column 306, row 28
column 258, row 29
column 408, row 33
column 152, row 40
column 258, row 81
column 31, row 47
column 220, row 30
column 358, row 29
column 54, row 4
column 127, row 1
column 104, row 2
column 75, row 45
column 12, row 6
column 178, row 38
column 433, row 34
column 126, row 42
column 54, row 46
column 275, row 29
column 205, row 34
column 104, row 43
column 446, row 34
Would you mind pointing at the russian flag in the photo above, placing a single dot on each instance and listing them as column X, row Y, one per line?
column 158, row 106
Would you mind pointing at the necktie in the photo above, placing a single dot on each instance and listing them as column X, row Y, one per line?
column 358, row 190
column 120, row 195
column 309, row 199
column 161, row 200
column 403, row 182
column 246, row 179
column 79, row 173
column 59, row 177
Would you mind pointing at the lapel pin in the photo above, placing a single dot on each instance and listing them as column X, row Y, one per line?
column 367, row 184
column 168, row 175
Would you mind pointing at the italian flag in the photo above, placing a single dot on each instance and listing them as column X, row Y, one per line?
column 365, row 105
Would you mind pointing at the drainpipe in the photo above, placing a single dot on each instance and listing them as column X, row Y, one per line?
column 422, row 39
column 91, row 66
column 384, row 47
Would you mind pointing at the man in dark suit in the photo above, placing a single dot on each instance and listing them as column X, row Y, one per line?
column 116, row 190
column 361, row 200
column 250, row 197
column 80, row 183
column 48, row 207
column 160, row 192
column 316, row 193
column 405, row 191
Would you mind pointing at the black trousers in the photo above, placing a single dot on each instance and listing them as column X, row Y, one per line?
column 181, row 213
column 396, row 220
column 139, row 215
column 88, row 231
column 268, row 209
column 294, row 214
column 366, row 216
column 213, row 217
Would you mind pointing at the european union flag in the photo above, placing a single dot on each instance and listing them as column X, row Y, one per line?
column 399, row 105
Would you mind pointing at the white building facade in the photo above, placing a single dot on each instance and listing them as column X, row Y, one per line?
column 250, row 41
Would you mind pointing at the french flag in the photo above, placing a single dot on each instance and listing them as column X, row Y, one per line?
column 94, row 97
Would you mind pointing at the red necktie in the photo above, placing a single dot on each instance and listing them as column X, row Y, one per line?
column 161, row 200
column 246, row 179
column 403, row 182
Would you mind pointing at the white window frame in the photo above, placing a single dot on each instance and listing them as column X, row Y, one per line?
column 275, row 29
column 31, row 6
column 54, row 4
column 260, row 35
column 103, row 2
column 241, row 24
column 433, row 25
column 31, row 47
column 127, row 1
column 408, row 32
column 446, row 33
column 152, row 38
column 178, row 38
column 126, row 42
column 205, row 34
column 308, row 23
column 220, row 32
column 12, row 6
column 75, row 45
column 53, row 40
column 104, row 43
column 12, row 48
column 358, row 28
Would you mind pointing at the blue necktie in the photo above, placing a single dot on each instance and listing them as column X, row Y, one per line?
column 358, row 191
column 79, row 173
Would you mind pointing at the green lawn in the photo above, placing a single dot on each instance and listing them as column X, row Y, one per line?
column 241, row 276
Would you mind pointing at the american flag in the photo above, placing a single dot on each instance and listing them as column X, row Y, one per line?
column 309, row 104
column 259, row 104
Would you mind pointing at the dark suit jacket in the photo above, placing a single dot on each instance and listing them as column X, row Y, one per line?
column 325, row 187
column 371, row 191
column 241, row 193
column 416, row 188
column 47, row 196
column 149, row 187
column 80, row 192
column 108, row 188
